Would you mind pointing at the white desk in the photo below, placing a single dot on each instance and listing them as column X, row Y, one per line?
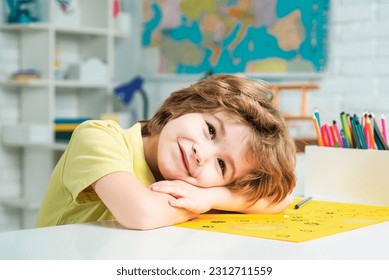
column 108, row 240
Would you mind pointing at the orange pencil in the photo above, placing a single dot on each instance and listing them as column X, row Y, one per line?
column 317, row 129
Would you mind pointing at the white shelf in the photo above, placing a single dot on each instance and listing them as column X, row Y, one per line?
column 50, row 47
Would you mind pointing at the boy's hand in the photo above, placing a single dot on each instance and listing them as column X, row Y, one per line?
column 192, row 198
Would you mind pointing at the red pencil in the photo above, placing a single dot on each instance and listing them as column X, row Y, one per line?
column 328, row 135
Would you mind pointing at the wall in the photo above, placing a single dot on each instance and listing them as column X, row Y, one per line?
column 356, row 79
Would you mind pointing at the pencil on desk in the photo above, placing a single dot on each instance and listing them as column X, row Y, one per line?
column 302, row 202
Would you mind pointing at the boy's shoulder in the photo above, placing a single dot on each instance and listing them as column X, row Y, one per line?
column 97, row 127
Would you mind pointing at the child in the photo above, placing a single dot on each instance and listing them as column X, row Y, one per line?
column 217, row 144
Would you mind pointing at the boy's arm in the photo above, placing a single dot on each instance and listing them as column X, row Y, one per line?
column 231, row 201
column 200, row 200
column 135, row 206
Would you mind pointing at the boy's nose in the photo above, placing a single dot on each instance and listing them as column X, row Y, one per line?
column 198, row 155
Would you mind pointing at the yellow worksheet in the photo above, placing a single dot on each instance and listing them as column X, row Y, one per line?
column 313, row 220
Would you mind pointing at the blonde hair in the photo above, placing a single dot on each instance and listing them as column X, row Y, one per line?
column 249, row 102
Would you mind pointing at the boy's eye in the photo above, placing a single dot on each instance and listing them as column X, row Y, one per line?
column 222, row 165
column 212, row 131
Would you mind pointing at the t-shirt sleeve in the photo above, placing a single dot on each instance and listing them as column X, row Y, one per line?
column 96, row 149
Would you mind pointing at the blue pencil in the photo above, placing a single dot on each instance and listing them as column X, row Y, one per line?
column 360, row 135
column 344, row 141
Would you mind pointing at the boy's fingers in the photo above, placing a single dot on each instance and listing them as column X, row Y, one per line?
column 172, row 190
column 187, row 204
column 181, row 203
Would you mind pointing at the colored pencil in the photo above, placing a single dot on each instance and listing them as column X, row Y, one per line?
column 324, row 136
column 371, row 133
column 361, row 137
column 328, row 135
column 378, row 136
column 346, row 129
column 317, row 129
column 337, row 133
column 317, row 115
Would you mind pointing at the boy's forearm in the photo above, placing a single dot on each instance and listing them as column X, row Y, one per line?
column 230, row 201
column 226, row 200
column 135, row 206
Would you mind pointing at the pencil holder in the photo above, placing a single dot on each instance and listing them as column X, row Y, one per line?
column 347, row 175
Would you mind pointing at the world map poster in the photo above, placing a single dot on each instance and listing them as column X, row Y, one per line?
column 232, row 36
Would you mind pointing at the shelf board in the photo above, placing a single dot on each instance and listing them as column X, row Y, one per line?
column 40, row 26
column 19, row 203
column 31, row 83
column 55, row 146
column 43, row 26
column 82, row 30
column 80, row 84
column 57, row 83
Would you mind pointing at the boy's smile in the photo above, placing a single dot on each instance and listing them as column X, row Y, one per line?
column 201, row 149
column 184, row 158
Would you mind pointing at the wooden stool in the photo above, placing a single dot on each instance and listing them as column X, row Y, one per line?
column 304, row 89
column 302, row 115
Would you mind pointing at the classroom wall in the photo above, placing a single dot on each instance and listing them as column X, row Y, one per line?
column 356, row 79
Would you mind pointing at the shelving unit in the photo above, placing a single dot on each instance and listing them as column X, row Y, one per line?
column 53, row 47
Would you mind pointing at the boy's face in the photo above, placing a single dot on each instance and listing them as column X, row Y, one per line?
column 203, row 149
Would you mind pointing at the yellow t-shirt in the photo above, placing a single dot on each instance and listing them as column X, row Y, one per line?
column 96, row 149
